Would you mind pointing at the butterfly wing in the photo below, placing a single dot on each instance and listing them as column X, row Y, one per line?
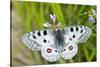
column 69, row 51
column 72, row 36
column 49, row 53
column 77, row 34
column 44, row 41
column 36, row 39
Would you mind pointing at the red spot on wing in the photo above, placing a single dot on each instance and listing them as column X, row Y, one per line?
column 49, row 50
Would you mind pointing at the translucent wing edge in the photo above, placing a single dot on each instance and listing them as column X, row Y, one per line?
column 83, row 38
column 30, row 43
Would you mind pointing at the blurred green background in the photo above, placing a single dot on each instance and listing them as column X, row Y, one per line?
column 29, row 16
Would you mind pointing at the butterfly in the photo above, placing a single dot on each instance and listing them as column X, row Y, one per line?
column 57, row 43
column 54, row 44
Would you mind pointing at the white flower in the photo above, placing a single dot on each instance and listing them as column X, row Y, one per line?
column 47, row 24
column 93, row 12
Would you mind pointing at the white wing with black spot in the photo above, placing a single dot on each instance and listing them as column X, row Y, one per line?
column 76, row 34
column 69, row 51
column 36, row 39
column 49, row 53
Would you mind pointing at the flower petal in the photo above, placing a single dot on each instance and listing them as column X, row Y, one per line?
column 94, row 12
column 53, row 17
column 91, row 19
column 47, row 24
column 58, row 24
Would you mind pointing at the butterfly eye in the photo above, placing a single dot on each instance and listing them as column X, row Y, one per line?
column 49, row 50
column 70, row 47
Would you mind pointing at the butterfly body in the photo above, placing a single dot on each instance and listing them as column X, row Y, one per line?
column 56, row 43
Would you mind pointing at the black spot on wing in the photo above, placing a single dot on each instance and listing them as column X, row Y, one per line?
column 82, row 28
column 76, row 28
column 55, row 50
column 34, row 36
column 45, row 32
column 63, row 50
column 44, row 40
column 38, row 33
column 81, row 31
column 71, row 29
column 33, row 32
column 73, row 36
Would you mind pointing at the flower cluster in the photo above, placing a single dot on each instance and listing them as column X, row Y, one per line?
column 91, row 15
column 53, row 18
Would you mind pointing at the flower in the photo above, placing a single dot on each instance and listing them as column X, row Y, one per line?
column 53, row 17
column 93, row 12
column 91, row 15
column 54, row 24
column 47, row 24
column 58, row 24
column 91, row 19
